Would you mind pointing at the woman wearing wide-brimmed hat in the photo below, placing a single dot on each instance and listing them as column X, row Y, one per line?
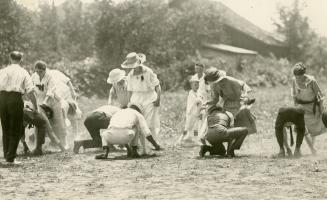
column 118, row 95
column 234, row 94
column 144, row 89
column 307, row 95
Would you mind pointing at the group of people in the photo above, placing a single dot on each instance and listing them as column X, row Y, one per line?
column 218, row 110
column 46, row 100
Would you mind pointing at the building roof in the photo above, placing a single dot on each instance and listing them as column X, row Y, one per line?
column 228, row 48
column 235, row 21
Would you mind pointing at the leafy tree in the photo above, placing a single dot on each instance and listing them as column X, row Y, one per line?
column 295, row 27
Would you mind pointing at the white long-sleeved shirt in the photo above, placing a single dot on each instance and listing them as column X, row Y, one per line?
column 14, row 78
column 130, row 119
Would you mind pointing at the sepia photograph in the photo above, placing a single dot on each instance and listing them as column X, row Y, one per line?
column 163, row 99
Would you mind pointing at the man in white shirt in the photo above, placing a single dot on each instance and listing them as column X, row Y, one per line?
column 98, row 119
column 45, row 93
column 127, row 127
column 15, row 81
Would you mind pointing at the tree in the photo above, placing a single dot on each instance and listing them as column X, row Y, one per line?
column 295, row 28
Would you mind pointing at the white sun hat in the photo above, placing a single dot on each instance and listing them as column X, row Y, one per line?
column 132, row 61
column 116, row 75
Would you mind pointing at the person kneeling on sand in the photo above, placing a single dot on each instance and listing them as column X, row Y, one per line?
column 220, row 123
column 285, row 117
column 127, row 127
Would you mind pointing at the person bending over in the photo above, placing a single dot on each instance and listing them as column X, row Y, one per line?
column 94, row 122
column 220, row 123
column 127, row 127
column 287, row 115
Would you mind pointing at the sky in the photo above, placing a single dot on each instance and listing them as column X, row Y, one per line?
column 259, row 12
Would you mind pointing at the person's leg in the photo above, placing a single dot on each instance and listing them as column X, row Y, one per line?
column 299, row 139
column 235, row 138
column 16, row 114
column 23, row 141
column 4, row 124
column 214, row 136
column 105, row 146
column 309, row 141
column 93, row 123
column 286, row 145
column 58, row 123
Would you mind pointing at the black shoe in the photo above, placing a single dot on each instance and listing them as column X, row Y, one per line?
column 101, row 156
column 203, row 150
column 134, row 152
column 37, row 152
column 230, row 154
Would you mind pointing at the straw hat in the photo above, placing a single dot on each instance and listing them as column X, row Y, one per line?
column 194, row 78
column 115, row 76
column 132, row 61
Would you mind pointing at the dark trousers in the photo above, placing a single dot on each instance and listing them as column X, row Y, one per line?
column 219, row 134
column 93, row 123
column 294, row 115
column 39, row 121
column 11, row 113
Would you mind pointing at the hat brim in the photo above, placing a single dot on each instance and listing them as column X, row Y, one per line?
column 116, row 80
column 129, row 66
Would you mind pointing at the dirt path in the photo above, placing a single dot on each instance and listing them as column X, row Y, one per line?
column 176, row 173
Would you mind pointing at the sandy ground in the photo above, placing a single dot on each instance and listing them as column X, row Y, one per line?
column 177, row 172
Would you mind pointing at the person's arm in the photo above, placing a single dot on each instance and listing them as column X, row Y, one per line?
column 72, row 90
column 293, row 91
column 231, row 119
column 214, row 94
column 50, row 91
column 158, row 91
column 319, row 95
column 112, row 96
column 32, row 97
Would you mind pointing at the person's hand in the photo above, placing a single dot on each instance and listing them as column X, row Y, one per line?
column 156, row 103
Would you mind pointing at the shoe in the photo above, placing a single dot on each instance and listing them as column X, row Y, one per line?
column 37, row 152
column 134, row 152
column 101, row 156
column 281, row 154
column 77, row 146
column 203, row 150
column 297, row 154
column 230, row 154
column 14, row 162
column 289, row 152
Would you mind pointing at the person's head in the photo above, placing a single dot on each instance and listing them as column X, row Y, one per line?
column 117, row 76
column 132, row 61
column 16, row 57
column 299, row 70
column 211, row 75
column 40, row 68
column 135, row 107
column 194, row 82
column 199, row 68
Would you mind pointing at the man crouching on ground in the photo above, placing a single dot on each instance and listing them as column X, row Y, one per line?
column 127, row 127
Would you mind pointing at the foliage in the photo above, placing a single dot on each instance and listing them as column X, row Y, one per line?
column 295, row 27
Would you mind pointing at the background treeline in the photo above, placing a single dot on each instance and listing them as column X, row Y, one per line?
column 86, row 41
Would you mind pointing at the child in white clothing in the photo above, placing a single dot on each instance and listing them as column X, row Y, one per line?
column 193, row 113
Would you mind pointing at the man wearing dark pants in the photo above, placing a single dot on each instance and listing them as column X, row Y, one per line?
column 220, row 123
column 98, row 119
column 15, row 81
column 285, row 116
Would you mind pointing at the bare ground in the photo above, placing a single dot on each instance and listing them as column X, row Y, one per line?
column 177, row 172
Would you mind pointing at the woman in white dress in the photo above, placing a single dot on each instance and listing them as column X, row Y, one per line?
column 144, row 89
